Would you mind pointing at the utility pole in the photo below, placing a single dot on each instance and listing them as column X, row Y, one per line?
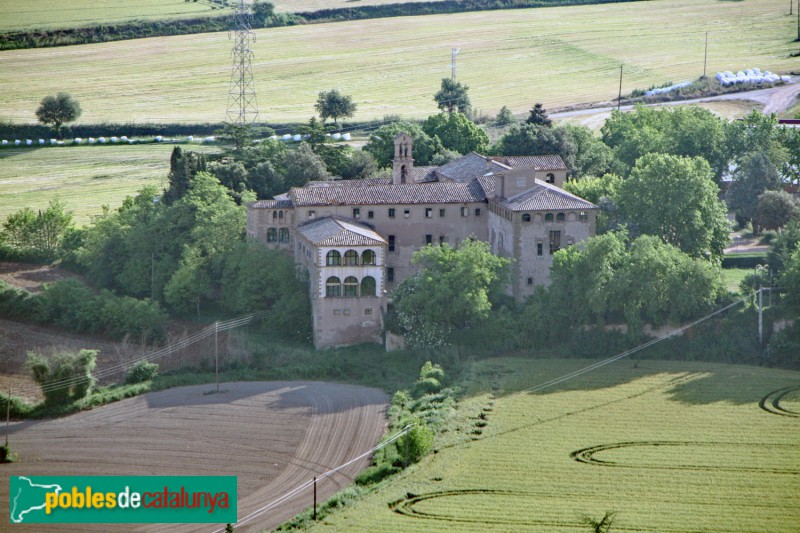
column 315, row 498
column 242, row 106
column 453, row 53
column 705, row 57
column 619, row 98
column 8, row 414
column 216, row 353
column 760, row 319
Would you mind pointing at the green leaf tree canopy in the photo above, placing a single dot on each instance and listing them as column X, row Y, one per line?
column 335, row 105
column 755, row 174
column 775, row 209
column 675, row 198
column 58, row 110
column 538, row 116
column 381, row 143
column 532, row 139
column 452, row 96
column 457, row 132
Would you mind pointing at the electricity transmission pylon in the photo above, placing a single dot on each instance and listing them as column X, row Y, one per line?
column 242, row 105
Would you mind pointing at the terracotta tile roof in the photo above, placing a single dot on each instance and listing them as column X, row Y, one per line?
column 423, row 174
column 282, row 203
column 350, row 183
column 469, row 167
column 334, row 231
column 546, row 197
column 536, row 162
column 426, row 193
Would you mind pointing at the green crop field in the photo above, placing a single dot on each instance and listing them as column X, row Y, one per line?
column 558, row 56
column 84, row 178
column 669, row 446
column 45, row 14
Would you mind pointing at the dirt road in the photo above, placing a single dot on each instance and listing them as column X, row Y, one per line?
column 274, row 436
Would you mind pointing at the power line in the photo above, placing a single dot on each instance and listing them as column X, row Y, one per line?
column 242, row 105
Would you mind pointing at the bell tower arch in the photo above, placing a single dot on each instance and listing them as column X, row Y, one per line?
column 403, row 162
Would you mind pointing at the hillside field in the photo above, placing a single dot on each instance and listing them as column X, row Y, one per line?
column 84, row 178
column 558, row 56
column 670, row 446
column 47, row 14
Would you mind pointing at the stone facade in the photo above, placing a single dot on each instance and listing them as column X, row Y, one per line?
column 516, row 204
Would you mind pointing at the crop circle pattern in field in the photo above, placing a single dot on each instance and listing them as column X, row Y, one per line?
column 771, row 403
column 473, row 506
column 726, row 456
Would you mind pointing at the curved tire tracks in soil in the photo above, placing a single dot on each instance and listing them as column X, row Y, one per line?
column 771, row 403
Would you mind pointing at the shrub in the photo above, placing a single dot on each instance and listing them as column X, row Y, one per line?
column 377, row 473
column 426, row 386
column 141, row 372
column 65, row 377
column 418, row 441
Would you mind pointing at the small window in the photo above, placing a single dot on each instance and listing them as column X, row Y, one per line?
column 441, row 213
column 570, row 242
column 428, row 239
column 368, row 257
column 368, row 311
column 442, row 239
column 312, row 214
column 539, row 248
column 333, row 287
column 428, row 212
column 346, row 312
column 391, row 243
column 406, row 213
column 548, row 217
column 370, row 214
column 551, row 178
column 464, row 211
column 274, row 215
column 351, row 258
column 560, row 217
column 280, row 215
column 555, row 241
column 477, row 211
column 272, row 235
column 526, row 217
column 530, row 281
column 334, row 258
column 391, row 212
column 283, row 235
column 390, row 274
column 583, row 216
column 350, row 287
column 368, row 286
column 337, row 312
column 356, row 213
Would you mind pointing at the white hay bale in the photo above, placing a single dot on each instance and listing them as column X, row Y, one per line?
column 786, row 79
column 102, row 140
column 41, row 142
column 53, row 142
column 158, row 138
column 17, row 142
column 114, row 139
column 346, row 136
column 209, row 139
column 28, row 142
column 78, row 140
column 273, row 137
column 297, row 138
column 337, row 136
column 5, row 142
column 92, row 140
column 190, row 138
column 124, row 138
column 287, row 137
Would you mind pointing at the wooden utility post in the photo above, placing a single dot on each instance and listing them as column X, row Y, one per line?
column 760, row 318
column 315, row 498
column 705, row 57
column 216, row 353
column 619, row 97
column 8, row 414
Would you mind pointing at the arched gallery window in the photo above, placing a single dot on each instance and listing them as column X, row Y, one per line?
column 333, row 287
column 334, row 258
column 368, row 286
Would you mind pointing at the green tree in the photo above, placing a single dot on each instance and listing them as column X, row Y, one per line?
column 757, row 132
column 755, row 174
column 457, row 132
column 39, row 233
column 688, row 131
column 531, row 139
column 451, row 291
column 381, row 143
column 240, row 135
column 790, row 281
column 675, row 198
column 302, row 165
column 452, row 96
column 592, row 156
column 602, row 192
column 65, row 377
column 775, row 209
column 504, row 117
column 262, row 13
column 182, row 168
column 361, row 165
column 538, row 116
column 58, row 110
column 335, row 105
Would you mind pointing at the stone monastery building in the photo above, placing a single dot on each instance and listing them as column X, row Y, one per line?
column 355, row 238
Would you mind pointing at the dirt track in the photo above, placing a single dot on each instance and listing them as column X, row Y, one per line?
column 273, row 435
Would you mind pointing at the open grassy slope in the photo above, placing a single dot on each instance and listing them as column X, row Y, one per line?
column 46, row 14
column 83, row 177
column 558, row 56
column 670, row 446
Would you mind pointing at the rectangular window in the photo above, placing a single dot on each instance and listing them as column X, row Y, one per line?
column 312, row 214
column 428, row 212
column 583, row 217
column 429, row 239
column 370, row 214
column 391, row 212
column 464, row 211
column 346, row 312
column 555, row 241
column 477, row 211
column 337, row 311
column 442, row 239
column 441, row 213
column 406, row 213
column 391, row 243
column 356, row 213
column 368, row 311
column 539, row 248
column 530, row 281
column 390, row 274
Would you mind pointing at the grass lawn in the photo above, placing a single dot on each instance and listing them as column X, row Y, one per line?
column 667, row 445
column 83, row 177
column 46, row 14
column 734, row 276
column 558, row 56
